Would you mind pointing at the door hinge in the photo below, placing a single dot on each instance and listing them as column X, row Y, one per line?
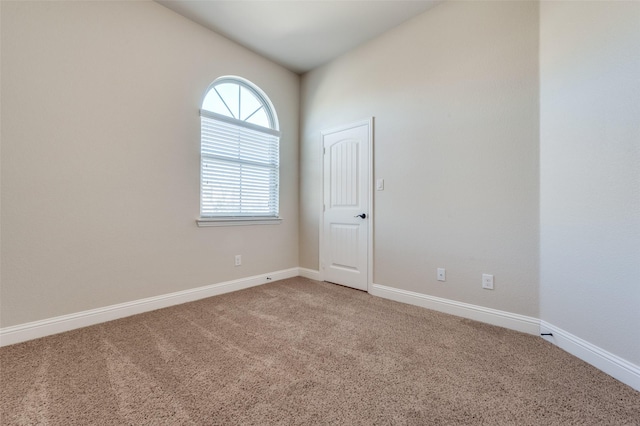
column 324, row 151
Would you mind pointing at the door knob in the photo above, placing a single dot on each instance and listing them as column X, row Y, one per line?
column 361, row 216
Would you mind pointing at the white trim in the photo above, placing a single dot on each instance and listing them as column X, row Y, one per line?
column 365, row 121
column 611, row 364
column 509, row 320
column 309, row 273
column 619, row 368
column 322, row 209
column 239, row 123
column 237, row 221
column 369, row 122
column 372, row 216
column 36, row 329
column 607, row 362
column 234, row 79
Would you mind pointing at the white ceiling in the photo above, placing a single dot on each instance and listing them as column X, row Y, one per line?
column 299, row 34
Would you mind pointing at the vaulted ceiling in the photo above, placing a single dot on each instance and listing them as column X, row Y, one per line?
column 300, row 34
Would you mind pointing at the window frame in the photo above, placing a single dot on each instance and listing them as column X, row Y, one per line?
column 234, row 220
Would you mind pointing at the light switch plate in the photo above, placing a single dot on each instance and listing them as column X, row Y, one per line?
column 379, row 184
column 487, row 281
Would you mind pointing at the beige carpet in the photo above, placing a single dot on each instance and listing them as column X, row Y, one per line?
column 298, row 352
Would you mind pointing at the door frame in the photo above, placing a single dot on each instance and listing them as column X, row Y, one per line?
column 369, row 122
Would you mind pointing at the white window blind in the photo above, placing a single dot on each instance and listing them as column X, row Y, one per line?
column 239, row 168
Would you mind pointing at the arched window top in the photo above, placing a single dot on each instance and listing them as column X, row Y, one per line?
column 239, row 99
column 239, row 155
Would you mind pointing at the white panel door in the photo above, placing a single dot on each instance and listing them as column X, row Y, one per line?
column 346, row 205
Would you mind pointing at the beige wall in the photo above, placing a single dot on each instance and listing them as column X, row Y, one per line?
column 454, row 93
column 590, row 174
column 100, row 158
column 100, row 139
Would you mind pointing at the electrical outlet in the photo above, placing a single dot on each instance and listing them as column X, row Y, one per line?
column 238, row 260
column 441, row 274
column 487, row 281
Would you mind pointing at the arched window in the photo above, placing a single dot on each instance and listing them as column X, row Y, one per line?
column 239, row 154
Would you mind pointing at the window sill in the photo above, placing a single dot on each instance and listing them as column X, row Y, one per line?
column 237, row 221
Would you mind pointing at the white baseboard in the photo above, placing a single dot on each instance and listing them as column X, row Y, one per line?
column 611, row 364
column 509, row 320
column 309, row 273
column 607, row 362
column 36, row 329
